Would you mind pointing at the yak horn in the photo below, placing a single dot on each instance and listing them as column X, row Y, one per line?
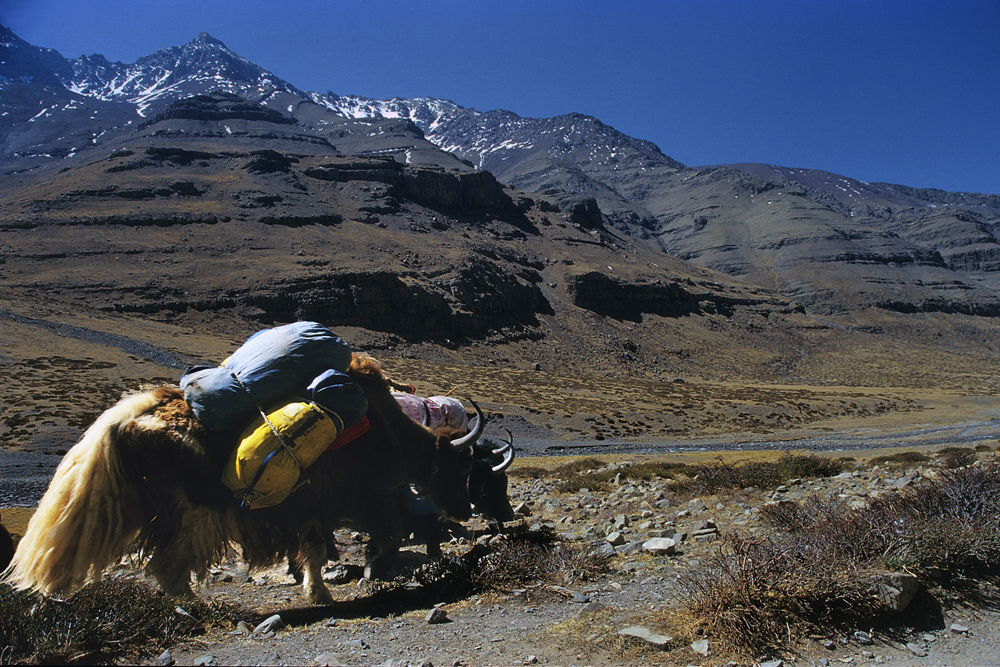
column 508, row 453
column 469, row 438
column 506, row 445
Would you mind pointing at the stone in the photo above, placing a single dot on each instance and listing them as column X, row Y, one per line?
column 165, row 659
column 701, row 647
column 185, row 622
column 903, row 482
column 206, row 660
column 660, row 545
column 916, row 649
column 646, row 635
column 696, row 505
column 522, row 509
column 773, row 663
column 437, row 615
column 606, row 550
column 615, row 538
column 633, row 547
column 897, row 589
column 959, row 629
column 863, row 638
column 590, row 608
column 329, row 660
column 270, row 624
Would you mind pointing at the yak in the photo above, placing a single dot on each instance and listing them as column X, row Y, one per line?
column 487, row 493
column 147, row 474
column 6, row 547
column 422, row 513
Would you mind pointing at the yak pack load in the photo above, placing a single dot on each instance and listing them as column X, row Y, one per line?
column 297, row 371
column 434, row 411
column 271, row 365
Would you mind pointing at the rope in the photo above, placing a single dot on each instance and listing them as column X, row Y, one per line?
column 279, row 436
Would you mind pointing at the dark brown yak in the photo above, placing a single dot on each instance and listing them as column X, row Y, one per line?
column 147, row 473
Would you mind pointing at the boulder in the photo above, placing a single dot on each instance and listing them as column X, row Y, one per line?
column 646, row 635
column 660, row 545
column 897, row 589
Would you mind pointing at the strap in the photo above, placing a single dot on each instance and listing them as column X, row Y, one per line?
column 281, row 438
column 350, row 434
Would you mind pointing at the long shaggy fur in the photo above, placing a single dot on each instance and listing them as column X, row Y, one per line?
column 82, row 524
column 147, row 473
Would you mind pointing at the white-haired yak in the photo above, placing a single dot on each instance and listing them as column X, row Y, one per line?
column 147, row 474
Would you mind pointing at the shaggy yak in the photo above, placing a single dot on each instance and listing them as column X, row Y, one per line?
column 487, row 493
column 147, row 474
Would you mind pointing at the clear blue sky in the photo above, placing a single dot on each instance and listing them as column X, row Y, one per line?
column 903, row 91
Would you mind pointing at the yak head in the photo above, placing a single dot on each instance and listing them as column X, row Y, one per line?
column 488, row 479
column 450, row 489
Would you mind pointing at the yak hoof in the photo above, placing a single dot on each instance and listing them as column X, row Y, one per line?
column 320, row 596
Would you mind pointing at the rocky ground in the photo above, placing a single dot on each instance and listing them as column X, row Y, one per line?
column 615, row 618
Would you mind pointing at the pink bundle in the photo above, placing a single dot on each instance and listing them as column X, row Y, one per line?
column 435, row 411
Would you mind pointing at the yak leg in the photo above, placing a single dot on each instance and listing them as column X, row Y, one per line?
column 385, row 530
column 172, row 574
column 196, row 544
column 313, row 556
column 427, row 530
column 295, row 562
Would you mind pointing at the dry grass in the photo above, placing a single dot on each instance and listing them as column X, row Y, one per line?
column 686, row 479
column 115, row 619
column 816, row 571
column 534, row 559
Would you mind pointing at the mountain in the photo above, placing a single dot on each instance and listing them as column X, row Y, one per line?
column 153, row 215
column 831, row 243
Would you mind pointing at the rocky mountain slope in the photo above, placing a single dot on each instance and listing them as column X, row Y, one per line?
column 160, row 212
column 829, row 242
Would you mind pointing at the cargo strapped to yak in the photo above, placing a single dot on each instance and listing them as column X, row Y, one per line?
column 305, row 418
column 270, row 366
column 275, row 450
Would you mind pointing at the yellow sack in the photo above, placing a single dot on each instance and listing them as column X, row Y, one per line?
column 263, row 470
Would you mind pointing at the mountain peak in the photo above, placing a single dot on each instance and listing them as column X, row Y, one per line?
column 205, row 38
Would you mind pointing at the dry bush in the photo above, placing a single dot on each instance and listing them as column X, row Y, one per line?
column 816, row 571
column 956, row 457
column 529, row 472
column 899, row 459
column 759, row 595
column 114, row 618
column 687, row 479
column 523, row 561
column 578, row 465
column 709, row 479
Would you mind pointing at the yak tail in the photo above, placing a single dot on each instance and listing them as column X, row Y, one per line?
column 83, row 523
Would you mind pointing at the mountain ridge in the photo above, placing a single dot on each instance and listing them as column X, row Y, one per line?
column 833, row 243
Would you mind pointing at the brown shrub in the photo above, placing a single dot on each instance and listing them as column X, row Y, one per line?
column 112, row 619
column 816, row 572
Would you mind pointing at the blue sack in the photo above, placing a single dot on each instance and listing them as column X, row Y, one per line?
column 271, row 365
column 338, row 393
